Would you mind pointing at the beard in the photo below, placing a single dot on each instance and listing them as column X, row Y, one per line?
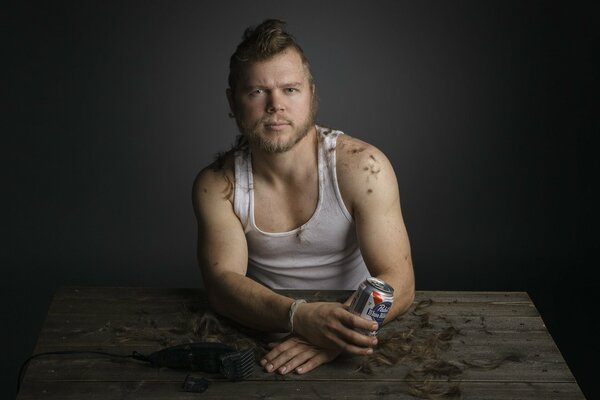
column 271, row 142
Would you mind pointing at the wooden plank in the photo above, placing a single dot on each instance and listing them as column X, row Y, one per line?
column 290, row 389
column 501, row 339
column 74, row 296
column 90, row 324
column 120, row 306
column 172, row 294
column 481, row 365
column 106, row 310
column 464, row 339
column 94, row 328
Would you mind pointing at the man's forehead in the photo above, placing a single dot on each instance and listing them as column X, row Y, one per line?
column 283, row 68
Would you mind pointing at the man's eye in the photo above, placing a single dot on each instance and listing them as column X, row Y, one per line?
column 291, row 90
column 256, row 92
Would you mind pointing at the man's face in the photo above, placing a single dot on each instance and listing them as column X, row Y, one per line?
column 273, row 102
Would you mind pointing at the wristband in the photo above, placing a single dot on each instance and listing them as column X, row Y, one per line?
column 292, row 311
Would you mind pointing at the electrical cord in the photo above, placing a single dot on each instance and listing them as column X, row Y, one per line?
column 208, row 357
column 135, row 355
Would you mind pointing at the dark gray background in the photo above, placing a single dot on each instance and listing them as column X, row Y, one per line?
column 484, row 108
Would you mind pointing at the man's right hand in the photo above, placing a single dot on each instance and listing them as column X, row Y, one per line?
column 332, row 326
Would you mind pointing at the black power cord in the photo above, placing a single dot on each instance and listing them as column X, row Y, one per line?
column 207, row 357
column 135, row 355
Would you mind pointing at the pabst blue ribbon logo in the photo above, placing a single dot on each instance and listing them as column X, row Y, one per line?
column 379, row 312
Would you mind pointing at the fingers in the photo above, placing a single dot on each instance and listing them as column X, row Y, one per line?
column 320, row 358
column 358, row 339
column 348, row 339
column 354, row 321
column 331, row 325
column 286, row 356
column 296, row 356
column 299, row 359
column 338, row 337
column 363, row 344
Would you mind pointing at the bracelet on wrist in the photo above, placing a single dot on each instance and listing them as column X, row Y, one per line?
column 291, row 313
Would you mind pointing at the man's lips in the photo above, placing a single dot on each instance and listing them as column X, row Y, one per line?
column 276, row 125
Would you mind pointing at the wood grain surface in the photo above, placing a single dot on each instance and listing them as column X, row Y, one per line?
column 499, row 347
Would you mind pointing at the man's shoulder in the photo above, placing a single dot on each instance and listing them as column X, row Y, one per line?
column 357, row 156
column 364, row 173
column 216, row 180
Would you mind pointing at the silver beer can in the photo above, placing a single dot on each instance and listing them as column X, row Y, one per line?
column 372, row 300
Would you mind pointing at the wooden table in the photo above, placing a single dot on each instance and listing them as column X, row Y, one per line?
column 487, row 345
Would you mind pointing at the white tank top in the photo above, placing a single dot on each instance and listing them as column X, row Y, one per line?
column 321, row 254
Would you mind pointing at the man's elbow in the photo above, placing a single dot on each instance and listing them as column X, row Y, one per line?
column 218, row 291
column 405, row 301
column 410, row 299
column 214, row 303
column 216, row 300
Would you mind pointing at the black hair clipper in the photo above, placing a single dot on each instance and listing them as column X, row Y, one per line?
column 205, row 357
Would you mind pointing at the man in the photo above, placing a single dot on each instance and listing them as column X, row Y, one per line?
column 295, row 205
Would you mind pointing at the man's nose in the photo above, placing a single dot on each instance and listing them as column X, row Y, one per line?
column 275, row 103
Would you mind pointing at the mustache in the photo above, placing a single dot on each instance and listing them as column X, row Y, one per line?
column 268, row 121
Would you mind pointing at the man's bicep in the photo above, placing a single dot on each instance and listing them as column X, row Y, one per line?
column 222, row 244
column 382, row 237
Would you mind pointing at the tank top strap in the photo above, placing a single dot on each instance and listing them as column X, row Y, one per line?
column 328, row 139
column 242, row 186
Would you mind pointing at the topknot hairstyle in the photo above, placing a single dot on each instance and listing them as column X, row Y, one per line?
column 260, row 43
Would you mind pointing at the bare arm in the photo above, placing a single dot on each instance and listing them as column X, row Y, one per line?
column 370, row 190
column 223, row 258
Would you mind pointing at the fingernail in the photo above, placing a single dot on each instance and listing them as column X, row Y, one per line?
column 282, row 370
column 299, row 370
column 374, row 341
column 369, row 351
column 263, row 362
column 270, row 367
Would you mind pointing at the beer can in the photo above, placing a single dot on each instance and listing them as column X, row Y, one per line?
column 372, row 300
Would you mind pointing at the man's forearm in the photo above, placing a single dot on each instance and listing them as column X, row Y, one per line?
column 247, row 302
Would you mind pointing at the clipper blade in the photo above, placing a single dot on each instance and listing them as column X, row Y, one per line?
column 238, row 366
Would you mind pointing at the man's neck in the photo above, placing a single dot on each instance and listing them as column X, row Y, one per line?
column 292, row 166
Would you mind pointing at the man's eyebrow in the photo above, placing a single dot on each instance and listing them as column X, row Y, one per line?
column 291, row 84
column 252, row 86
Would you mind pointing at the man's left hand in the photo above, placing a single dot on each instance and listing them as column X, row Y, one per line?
column 296, row 354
